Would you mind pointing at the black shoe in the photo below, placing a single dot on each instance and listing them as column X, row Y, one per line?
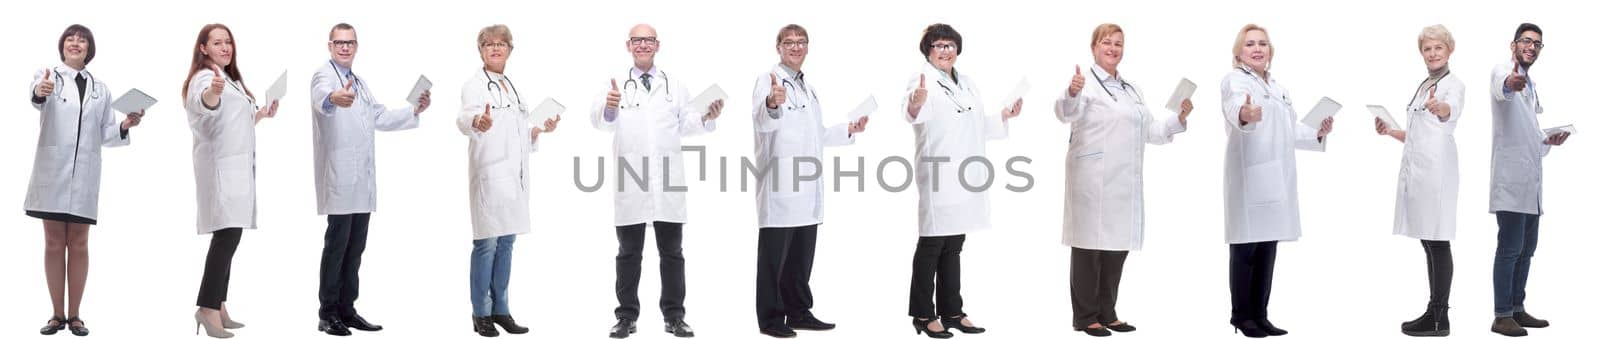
column 809, row 323
column 1529, row 321
column 623, row 328
column 484, row 326
column 55, row 324
column 922, row 327
column 1123, row 327
column 1507, row 327
column 955, row 324
column 1094, row 331
column 1250, row 329
column 333, row 327
column 505, row 321
column 1271, row 330
column 76, row 326
column 680, row 329
column 358, row 323
column 1433, row 323
column 778, row 331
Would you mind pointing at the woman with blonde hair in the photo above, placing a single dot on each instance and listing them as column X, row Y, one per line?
column 1260, row 191
column 1425, row 202
column 1104, row 214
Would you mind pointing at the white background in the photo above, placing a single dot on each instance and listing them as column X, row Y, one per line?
column 1347, row 277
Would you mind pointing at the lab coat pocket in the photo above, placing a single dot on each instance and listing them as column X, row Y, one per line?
column 500, row 190
column 1263, row 183
column 1085, row 175
column 49, row 163
column 235, row 178
column 345, row 170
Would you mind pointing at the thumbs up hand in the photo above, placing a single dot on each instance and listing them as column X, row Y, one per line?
column 614, row 97
column 778, row 96
column 344, row 97
column 1438, row 108
column 1249, row 112
column 1077, row 83
column 484, row 121
column 920, row 95
column 46, row 86
column 216, row 82
column 1516, row 81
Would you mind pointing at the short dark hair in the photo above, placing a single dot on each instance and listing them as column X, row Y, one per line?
column 338, row 27
column 80, row 32
column 936, row 32
column 1524, row 27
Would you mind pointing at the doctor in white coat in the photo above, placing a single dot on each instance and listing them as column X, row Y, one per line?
column 347, row 115
column 948, row 119
column 1516, row 178
column 494, row 117
column 222, row 117
column 1104, row 213
column 1425, row 202
column 648, row 115
column 75, row 121
column 1260, row 194
column 789, row 132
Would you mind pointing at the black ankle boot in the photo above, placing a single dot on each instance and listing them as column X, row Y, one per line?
column 1435, row 322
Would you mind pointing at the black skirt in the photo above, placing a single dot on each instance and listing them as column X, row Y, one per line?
column 62, row 217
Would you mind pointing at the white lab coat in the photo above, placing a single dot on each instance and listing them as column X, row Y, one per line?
column 1425, row 202
column 224, row 155
column 342, row 142
column 66, row 165
column 1516, row 173
column 497, row 160
column 952, row 124
column 1260, row 184
column 1105, row 166
column 649, row 138
column 793, row 130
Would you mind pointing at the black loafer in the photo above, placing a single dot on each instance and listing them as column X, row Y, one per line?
column 358, row 323
column 809, row 323
column 1528, row 321
column 778, row 331
column 679, row 328
column 334, row 327
column 1123, row 327
column 623, row 328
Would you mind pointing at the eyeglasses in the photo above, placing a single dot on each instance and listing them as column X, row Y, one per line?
column 343, row 43
column 1531, row 42
column 496, row 44
column 646, row 41
column 945, row 47
column 795, row 44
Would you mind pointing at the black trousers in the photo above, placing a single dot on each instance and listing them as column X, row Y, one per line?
column 783, row 273
column 1441, row 268
column 937, row 266
column 1095, row 277
column 219, row 266
column 1250, row 278
column 630, row 257
column 340, row 283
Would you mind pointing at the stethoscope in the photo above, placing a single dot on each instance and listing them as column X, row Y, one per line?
column 1139, row 98
column 631, row 87
column 89, row 79
column 352, row 78
column 951, row 92
column 789, row 96
column 1425, row 85
column 1264, row 83
column 500, row 101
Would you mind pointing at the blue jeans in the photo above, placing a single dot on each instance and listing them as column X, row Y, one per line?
column 1519, row 234
column 491, row 272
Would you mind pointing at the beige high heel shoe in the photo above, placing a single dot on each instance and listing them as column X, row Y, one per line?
column 214, row 331
column 227, row 322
